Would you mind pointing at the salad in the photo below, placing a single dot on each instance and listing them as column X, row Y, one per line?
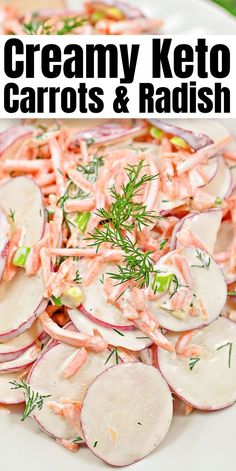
column 118, row 275
column 93, row 17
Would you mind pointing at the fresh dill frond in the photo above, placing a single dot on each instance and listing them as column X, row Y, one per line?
column 114, row 351
column 77, row 440
column 78, row 278
column 230, row 345
column 91, row 169
column 69, row 24
column 39, row 27
column 124, row 215
column 203, row 258
column 33, row 399
column 118, row 332
column 192, row 362
column 12, row 214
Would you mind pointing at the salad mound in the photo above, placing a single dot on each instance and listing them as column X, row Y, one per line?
column 119, row 241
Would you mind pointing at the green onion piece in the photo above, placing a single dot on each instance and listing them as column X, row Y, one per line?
column 178, row 141
column 81, row 220
column 56, row 301
column 218, row 201
column 96, row 16
column 20, row 256
column 162, row 282
column 156, row 133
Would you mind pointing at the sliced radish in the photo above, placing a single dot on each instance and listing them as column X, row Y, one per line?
column 22, row 361
column 166, row 205
column 8, row 395
column 11, row 139
column 130, row 339
column 22, row 197
column 146, row 356
column 21, row 302
column 203, row 226
column 46, row 377
column 207, row 383
column 221, row 184
column 107, row 133
column 197, row 133
column 208, row 292
column 126, row 413
column 13, row 348
column 224, row 242
column 210, row 169
column 4, row 240
column 95, row 305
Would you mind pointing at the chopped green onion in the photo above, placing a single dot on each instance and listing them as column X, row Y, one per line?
column 156, row 133
column 81, row 220
column 20, row 256
column 218, row 201
column 56, row 301
column 231, row 293
column 162, row 282
column 96, row 16
column 163, row 244
column 178, row 141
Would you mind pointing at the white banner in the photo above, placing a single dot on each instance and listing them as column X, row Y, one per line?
column 117, row 76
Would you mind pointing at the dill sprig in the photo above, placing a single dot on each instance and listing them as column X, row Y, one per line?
column 192, row 362
column 78, row 278
column 44, row 27
column 69, row 24
column 11, row 214
column 123, row 216
column 230, row 345
column 33, row 399
column 77, row 440
column 203, row 258
column 114, row 351
column 91, row 169
column 124, row 212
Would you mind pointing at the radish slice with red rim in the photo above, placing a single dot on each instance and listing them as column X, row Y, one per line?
column 95, row 305
column 126, row 413
column 210, row 170
column 197, row 133
column 11, row 349
column 224, row 242
column 107, row 133
column 46, row 377
column 221, row 185
column 7, row 394
column 11, row 139
column 21, row 302
column 208, row 293
column 21, row 362
column 4, row 240
column 207, row 382
column 197, row 224
column 129, row 339
column 22, row 198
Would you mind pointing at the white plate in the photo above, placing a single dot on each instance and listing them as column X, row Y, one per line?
column 202, row 441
